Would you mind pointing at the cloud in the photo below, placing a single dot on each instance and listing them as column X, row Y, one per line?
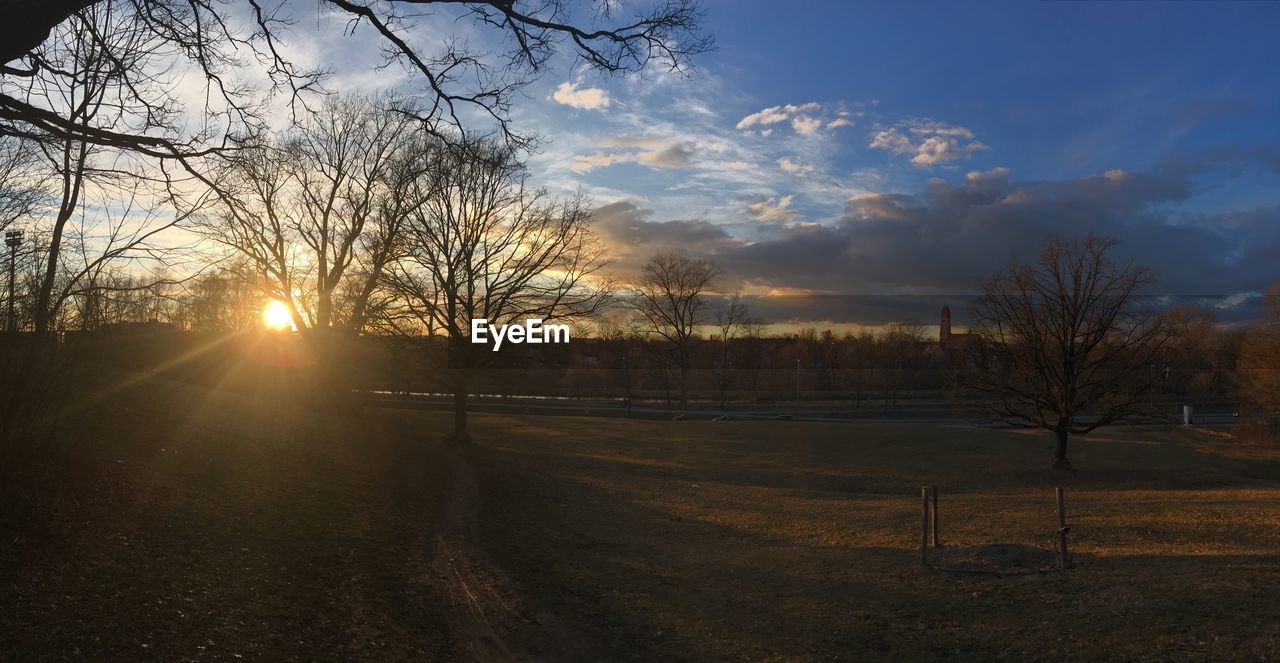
column 585, row 162
column 675, row 156
column 943, row 239
column 775, row 114
column 895, row 254
column 928, row 142
column 767, row 210
column 793, row 167
column 806, row 119
column 652, row 152
column 633, row 237
column 805, row 125
column 591, row 98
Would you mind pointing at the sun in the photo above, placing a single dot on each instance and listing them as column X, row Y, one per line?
column 275, row 315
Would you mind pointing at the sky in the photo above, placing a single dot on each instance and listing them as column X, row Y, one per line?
column 865, row 162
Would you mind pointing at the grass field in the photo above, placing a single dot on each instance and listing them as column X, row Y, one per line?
column 192, row 525
column 776, row 540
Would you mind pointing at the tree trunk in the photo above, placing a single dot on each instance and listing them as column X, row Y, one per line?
column 324, row 309
column 724, row 371
column 460, row 412
column 1062, row 432
column 72, row 179
column 684, row 386
column 459, row 434
column 27, row 23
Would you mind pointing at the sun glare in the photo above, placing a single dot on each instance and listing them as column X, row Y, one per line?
column 275, row 315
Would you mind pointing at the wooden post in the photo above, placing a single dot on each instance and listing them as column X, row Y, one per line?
column 933, row 523
column 924, row 525
column 1064, row 561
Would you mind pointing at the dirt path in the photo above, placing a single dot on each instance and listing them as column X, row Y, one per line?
column 491, row 616
column 480, row 608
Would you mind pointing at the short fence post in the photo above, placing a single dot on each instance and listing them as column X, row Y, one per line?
column 924, row 525
column 933, row 524
column 1064, row 560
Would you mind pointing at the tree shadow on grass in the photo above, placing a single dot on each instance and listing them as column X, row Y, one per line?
column 209, row 531
column 846, row 459
column 629, row 578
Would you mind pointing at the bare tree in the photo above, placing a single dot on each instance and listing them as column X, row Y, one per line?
column 104, row 214
column 626, row 338
column 858, row 361
column 300, row 212
column 481, row 244
column 732, row 319
column 217, row 39
column 1259, row 373
column 85, row 63
column 1189, row 371
column 1067, row 347
column 21, row 180
column 669, row 296
column 221, row 301
column 117, row 230
column 900, row 353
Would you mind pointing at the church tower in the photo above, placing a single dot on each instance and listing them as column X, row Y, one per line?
column 944, row 326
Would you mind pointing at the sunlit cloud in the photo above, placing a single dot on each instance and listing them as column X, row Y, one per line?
column 590, row 98
column 805, row 119
column 793, row 167
column 805, row 125
column 775, row 114
column 652, row 152
column 585, row 162
column 768, row 210
column 927, row 142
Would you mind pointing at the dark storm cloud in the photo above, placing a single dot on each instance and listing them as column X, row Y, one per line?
column 939, row 243
column 867, row 310
column 632, row 236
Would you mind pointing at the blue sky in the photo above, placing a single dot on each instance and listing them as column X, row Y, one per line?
column 904, row 150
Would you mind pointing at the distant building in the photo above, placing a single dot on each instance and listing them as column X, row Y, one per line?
column 951, row 344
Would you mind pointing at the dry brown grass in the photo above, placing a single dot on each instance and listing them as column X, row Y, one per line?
column 179, row 523
column 176, row 523
column 788, row 541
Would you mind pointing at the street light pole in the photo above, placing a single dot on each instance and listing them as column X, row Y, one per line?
column 12, row 239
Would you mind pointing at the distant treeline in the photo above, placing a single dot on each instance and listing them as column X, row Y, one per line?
column 861, row 370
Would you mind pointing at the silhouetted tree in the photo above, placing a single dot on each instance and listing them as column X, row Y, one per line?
column 84, row 65
column 732, row 319
column 1068, row 348
column 21, row 180
column 479, row 243
column 1189, row 372
column 1259, row 371
column 669, row 296
column 103, row 206
column 900, row 354
column 218, row 40
column 305, row 213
